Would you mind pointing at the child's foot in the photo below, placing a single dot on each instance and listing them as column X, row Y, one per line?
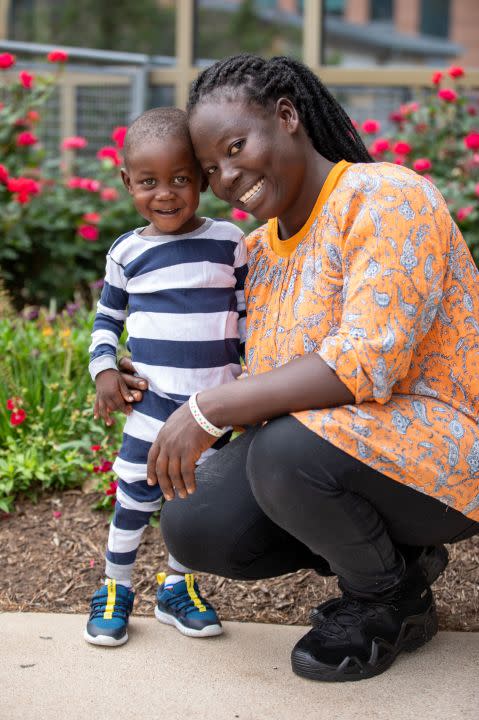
column 110, row 609
column 180, row 604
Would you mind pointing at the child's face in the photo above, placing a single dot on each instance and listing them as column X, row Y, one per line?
column 165, row 181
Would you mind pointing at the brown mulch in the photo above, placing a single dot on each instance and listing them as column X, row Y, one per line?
column 54, row 564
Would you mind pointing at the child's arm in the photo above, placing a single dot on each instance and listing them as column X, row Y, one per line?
column 241, row 270
column 112, row 392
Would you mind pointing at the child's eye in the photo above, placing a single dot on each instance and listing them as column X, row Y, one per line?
column 236, row 147
column 180, row 180
column 149, row 182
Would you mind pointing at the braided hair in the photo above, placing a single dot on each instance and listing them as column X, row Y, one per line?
column 265, row 81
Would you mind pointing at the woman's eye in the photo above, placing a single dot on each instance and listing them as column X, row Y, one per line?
column 210, row 170
column 236, row 147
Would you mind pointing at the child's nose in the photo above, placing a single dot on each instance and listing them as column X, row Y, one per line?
column 164, row 193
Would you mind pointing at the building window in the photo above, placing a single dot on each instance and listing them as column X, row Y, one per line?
column 382, row 10
column 435, row 18
column 334, row 7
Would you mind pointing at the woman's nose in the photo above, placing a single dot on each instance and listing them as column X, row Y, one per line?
column 229, row 175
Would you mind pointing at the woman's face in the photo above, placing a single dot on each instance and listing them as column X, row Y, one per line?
column 250, row 155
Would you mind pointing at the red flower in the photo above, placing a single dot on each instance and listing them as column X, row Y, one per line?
column 74, row 142
column 109, row 194
column 239, row 215
column 57, row 56
column 90, row 184
column 447, row 95
column 96, row 469
column 92, row 217
column 118, row 136
column 88, row 232
column 23, row 185
column 109, row 153
column 456, row 71
column 471, row 141
column 12, row 403
column 437, row 77
column 26, row 79
column 371, row 126
column 106, row 466
column 33, row 116
column 422, row 164
column 17, row 417
column 471, row 110
column 399, row 160
column 396, row 116
column 463, row 212
column 56, row 514
column 6, row 61
column 26, row 138
column 95, row 448
column 402, row 147
column 3, row 174
column 111, row 489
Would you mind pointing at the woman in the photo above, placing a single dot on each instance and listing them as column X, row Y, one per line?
column 362, row 356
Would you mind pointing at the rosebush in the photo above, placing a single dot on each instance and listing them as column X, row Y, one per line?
column 440, row 140
column 49, row 439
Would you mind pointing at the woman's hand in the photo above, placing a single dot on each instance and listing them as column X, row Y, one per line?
column 133, row 383
column 173, row 455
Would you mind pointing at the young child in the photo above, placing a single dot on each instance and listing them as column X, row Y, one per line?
column 178, row 283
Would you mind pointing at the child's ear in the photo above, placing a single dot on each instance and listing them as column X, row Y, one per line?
column 204, row 183
column 126, row 179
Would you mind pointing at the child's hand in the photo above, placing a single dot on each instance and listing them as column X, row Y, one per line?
column 111, row 394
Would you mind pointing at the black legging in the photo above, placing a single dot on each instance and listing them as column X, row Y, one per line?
column 280, row 498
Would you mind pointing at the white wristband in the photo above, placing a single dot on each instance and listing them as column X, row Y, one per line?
column 202, row 421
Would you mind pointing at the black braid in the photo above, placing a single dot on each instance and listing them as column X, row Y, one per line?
column 264, row 81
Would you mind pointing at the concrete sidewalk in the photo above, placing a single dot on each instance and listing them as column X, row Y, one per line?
column 48, row 672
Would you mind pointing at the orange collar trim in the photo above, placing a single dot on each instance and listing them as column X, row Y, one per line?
column 284, row 248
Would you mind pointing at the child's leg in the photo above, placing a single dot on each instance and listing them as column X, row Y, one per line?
column 126, row 530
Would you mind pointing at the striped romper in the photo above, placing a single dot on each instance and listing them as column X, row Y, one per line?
column 183, row 302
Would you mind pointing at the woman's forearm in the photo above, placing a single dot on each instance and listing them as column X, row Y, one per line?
column 302, row 384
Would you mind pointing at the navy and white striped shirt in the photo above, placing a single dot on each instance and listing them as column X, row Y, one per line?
column 182, row 298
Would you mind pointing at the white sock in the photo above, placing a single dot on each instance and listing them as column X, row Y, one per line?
column 119, row 582
column 173, row 579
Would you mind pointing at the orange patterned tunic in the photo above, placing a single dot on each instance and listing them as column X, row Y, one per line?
column 380, row 283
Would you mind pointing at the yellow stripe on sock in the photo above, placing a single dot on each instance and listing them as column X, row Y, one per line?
column 110, row 601
column 190, row 579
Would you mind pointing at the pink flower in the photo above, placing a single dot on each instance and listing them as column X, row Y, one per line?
column 456, row 71
column 74, row 142
column 463, row 212
column 381, row 144
column 471, row 141
column 409, row 108
column 88, row 232
column 111, row 490
column 6, row 61
column 106, row 466
column 402, row 147
column 26, row 79
column 109, row 194
column 12, row 403
column 74, row 183
column 33, row 116
column 18, row 417
column 437, row 77
column 422, row 164
column 57, row 56
column 447, row 95
column 90, row 185
column 399, row 160
column 239, row 215
column 23, row 184
column 471, row 110
column 56, row 514
column 95, row 448
column 26, row 138
column 92, row 217
column 371, row 126
column 3, row 174
column 118, row 136
column 109, row 153
column 396, row 116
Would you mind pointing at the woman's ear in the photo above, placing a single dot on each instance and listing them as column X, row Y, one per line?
column 287, row 114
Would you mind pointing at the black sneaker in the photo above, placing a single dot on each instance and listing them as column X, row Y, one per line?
column 433, row 560
column 360, row 638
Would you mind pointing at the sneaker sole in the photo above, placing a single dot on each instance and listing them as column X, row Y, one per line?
column 104, row 640
column 208, row 631
column 416, row 631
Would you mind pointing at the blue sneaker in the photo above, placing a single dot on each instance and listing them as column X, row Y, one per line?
column 110, row 609
column 181, row 605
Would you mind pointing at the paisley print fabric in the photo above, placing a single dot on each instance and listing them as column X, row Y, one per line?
column 380, row 284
